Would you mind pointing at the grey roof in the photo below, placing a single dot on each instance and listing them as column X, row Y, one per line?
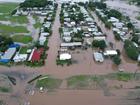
column 98, row 57
column 9, row 53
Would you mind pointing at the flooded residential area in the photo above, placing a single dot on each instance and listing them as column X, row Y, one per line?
column 74, row 52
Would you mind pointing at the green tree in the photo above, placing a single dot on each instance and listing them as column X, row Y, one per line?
column 117, row 60
column 101, row 44
column 131, row 51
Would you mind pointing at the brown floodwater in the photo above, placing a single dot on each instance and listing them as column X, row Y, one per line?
column 84, row 64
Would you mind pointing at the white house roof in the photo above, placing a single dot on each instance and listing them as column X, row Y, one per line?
column 110, row 52
column 20, row 57
column 65, row 56
column 72, row 44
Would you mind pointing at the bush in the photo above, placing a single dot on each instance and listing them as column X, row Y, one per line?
column 131, row 51
column 101, row 44
column 117, row 60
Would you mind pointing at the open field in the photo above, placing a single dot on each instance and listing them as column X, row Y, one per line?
column 13, row 29
column 22, row 39
column 7, row 7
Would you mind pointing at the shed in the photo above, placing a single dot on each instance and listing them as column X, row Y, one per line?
column 110, row 53
column 65, row 56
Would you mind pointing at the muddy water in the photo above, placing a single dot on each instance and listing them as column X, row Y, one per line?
column 73, row 97
column 131, row 10
column 84, row 65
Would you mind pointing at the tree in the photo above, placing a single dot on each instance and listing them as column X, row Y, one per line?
column 117, row 60
column 101, row 44
column 130, row 25
column 114, row 13
column 131, row 50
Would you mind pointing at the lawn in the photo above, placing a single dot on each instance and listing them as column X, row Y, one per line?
column 14, row 19
column 7, row 7
column 23, row 50
column 22, row 39
column 5, row 89
column 48, row 82
column 84, row 82
column 13, row 29
column 37, row 24
column 138, row 17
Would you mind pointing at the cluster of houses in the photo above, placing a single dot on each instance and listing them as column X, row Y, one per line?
column 119, row 27
column 18, row 53
column 14, row 54
column 41, row 11
column 79, row 33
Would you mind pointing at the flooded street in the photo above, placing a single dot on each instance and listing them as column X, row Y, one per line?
column 84, row 64
column 30, row 26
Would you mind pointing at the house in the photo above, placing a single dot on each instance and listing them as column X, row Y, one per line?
column 45, row 34
column 110, row 53
column 65, row 56
column 20, row 57
column 66, row 34
column 118, row 25
column 37, row 54
column 98, row 57
column 139, row 58
column 73, row 23
column 113, row 20
column 42, row 40
column 72, row 44
column 8, row 55
column 67, row 38
column 99, row 38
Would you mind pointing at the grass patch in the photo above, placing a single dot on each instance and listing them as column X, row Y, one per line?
column 4, row 89
column 37, row 25
column 7, row 7
column 48, row 82
column 22, row 39
column 23, row 50
column 84, row 82
column 13, row 29
column 14, row 19
column 63, row 62
column 138, row 17
column 124, row 76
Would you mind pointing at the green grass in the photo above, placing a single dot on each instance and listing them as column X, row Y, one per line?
column 7, row 7
column 23, row 50
column 63, row 62
column 22, row 39
column 14, row 19
column 37, row 25
column 13, row 29
column 4, row 89
column 138, row 17
column 48, row 82
column 83, row 81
